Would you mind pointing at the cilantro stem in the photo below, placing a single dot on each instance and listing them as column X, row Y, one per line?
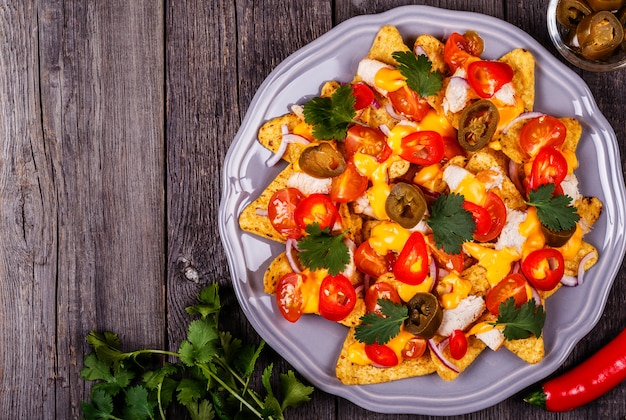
column 208, row 372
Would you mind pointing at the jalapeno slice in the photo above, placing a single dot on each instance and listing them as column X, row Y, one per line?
column 599, row 34
column 405, row 204
column 558, row 238
column 322, row 161
column 570, row 12
column 425, row 315
column 477, row 124
column 598, row 5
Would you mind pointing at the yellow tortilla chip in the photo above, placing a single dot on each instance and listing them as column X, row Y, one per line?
column 387, row 41
column 523, row 64
column 353, row 374
column 531, row 349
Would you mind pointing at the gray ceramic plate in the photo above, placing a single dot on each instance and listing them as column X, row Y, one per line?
column 312, row 344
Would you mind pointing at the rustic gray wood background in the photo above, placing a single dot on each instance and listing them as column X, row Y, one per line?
column 115, row 117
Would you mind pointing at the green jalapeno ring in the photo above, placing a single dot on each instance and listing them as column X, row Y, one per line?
column 478, row 124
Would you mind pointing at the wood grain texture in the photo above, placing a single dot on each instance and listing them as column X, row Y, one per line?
column 115, row 118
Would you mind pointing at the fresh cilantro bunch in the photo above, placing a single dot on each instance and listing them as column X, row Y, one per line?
column 211, row 379
column 330, row 117
column 554, row 211
column 417, row 70
column 452, row 225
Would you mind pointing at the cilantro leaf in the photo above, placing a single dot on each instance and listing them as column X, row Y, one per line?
column 521, row 322
column 330, row 117
column 417, row 70
column 451, row 223
column 138, row 405
column 380, row 329
column 320, row 249
column 293, row 391
column 100, row 407
column 554, row 211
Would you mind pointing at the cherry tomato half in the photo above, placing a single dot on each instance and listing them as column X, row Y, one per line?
column 457, row 51
column 380, row 290
column 513, row 285
column 422, row 147
column 496, row 208
column 481, row 216
column 316, row 208
column 458, row 344
column 544, row 268
column 368, row 140
column 289, row 296
column 549, row 167
column 487, row 77
column 541, row 132
column 363, row 94
column 409, row 103
column 411, row 267
column 381, row 354
column 370, row 262
column 337, row 297
column 349, row 185
column 280, row 211
column 414, row 348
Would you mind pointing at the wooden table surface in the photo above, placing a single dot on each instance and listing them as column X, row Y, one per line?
column 115, row 117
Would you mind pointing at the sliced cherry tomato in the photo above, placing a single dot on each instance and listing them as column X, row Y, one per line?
column 411, row 267
column 289, row 296
column 541, row 132
column 280, row 211
column 458, row 344
column 457, row 51
column 337, row 297
column 316, row 208
column 450, row 262
column 513, row 285
column 487, row 77
column 368, row 140
column 370, row 262
column 381, row 354
column 414, row 348
column 364, row 96
column 380, row 290
column 544, row 268
column 549, row 167
column 481, row 216
column 349, row 185
column 409, row 103
column 422, row 147
column 496, row 208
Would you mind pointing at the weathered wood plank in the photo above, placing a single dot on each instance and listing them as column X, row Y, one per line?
column 102, row 118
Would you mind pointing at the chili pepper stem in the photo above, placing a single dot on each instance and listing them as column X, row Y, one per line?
column 537, row 398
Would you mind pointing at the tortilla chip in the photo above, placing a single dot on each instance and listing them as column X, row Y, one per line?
column 531, row 349
column 523, row 64
column 252, row 218
column 353, row 374
column 387, row 41
column 433, row 48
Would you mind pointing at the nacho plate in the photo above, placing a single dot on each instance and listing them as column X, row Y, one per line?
column 311, row 346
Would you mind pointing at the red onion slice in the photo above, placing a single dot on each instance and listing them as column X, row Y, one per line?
column 392, row 112
column 290, row 250
column 523, row 116
column 437, row 349
column 581, row 267
column 282, row 148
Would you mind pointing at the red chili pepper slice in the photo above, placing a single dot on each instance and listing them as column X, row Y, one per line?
column 549, row 167
column 411, row 267
column 544, row 268
column 422, row 147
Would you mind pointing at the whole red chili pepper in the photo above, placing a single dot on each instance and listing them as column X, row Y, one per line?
column 594, row 377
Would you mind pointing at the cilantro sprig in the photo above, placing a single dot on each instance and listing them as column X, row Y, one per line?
column 417, row 70
column 554, row 211
column 331, row 116
column 211, row 380
column 321, row 249
column 452, row 225
column 521, row 322
column 380, row 329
